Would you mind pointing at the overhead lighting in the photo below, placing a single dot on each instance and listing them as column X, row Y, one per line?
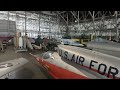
column 75, row 20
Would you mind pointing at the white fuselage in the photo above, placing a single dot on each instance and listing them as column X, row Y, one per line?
column 99, row 64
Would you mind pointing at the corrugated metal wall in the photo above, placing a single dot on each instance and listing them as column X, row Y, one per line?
column 7, row 28
column 49, row 25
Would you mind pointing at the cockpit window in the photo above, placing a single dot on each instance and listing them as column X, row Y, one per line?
column 48, row 55
column 6, row 65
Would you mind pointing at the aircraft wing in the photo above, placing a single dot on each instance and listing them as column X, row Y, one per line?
column 8, row 66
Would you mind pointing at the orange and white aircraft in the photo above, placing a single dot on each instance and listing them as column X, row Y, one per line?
column 71, row 62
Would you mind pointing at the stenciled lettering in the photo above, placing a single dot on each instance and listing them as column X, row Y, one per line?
column 113, row 73
column 60, row 52
column 91, row 63
column 104, row 70
column 66, row 55
column 73, row 57
column 81, row 60
column 77, row 59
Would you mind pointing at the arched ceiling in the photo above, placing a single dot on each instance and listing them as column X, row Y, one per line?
column 80, row 16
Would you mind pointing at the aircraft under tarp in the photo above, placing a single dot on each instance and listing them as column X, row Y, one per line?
column 100, row 40
column 105, row 46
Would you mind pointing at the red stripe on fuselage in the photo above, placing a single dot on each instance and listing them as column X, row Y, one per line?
column 60, row 73
column 110, row 76
column 61, row 70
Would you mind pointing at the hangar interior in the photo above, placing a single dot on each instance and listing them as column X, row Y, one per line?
column 36, row 44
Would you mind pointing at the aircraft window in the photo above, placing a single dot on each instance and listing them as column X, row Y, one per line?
column 6, row 65
column 51, row 56
column 48, row 55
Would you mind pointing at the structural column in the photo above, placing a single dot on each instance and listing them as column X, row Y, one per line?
column 67, row 26
column 15, row 21
column 39, row 25
column 8, row 22
column 25, row 24
column 59, row 27
column 78, row 20
column 117, row 32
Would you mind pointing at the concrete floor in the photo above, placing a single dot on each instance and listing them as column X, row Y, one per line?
column 35, row 70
